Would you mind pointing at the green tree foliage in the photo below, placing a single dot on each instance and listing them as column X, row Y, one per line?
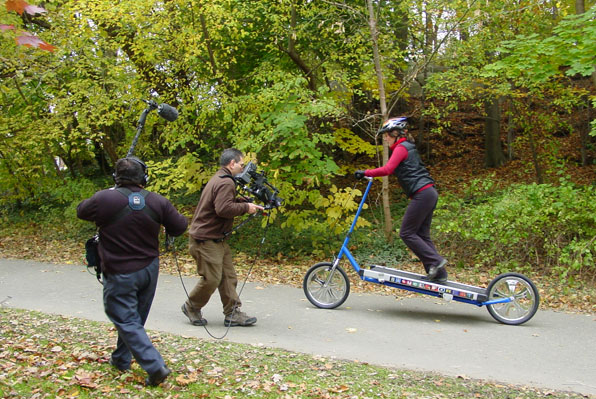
column 291, row 83
column 534, row 59
column 22, row 139
column 515, row 55
column 254, row 75
column 533, row 62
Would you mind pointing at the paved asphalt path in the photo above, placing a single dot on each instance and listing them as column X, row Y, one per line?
column 553, row 350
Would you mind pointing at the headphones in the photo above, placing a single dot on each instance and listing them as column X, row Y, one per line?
column 145, row 177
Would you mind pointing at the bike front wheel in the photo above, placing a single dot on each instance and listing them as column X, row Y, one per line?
column 325, row 287
column 524, row 303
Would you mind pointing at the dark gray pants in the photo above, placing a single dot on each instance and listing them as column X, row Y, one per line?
column 415, row 227
column 127, row 300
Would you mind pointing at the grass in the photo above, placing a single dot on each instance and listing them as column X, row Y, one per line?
column 47, row 356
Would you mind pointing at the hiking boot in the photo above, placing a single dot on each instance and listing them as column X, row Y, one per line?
column 238, row 318
column 196, row 318
column 438, row 272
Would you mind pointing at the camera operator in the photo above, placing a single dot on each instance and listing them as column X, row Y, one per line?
column 213, row 218
column 129, row 220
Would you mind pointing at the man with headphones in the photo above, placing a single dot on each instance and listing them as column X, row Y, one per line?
column 129, row 219
column 415, row 180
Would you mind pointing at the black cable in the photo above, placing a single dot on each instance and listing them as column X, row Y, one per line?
column 245, row 279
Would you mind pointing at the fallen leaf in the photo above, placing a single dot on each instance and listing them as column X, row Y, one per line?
column 17, row 6
column 339, row 389
column 184, row 380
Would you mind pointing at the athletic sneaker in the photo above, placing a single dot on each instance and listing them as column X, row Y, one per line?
column 438, row 273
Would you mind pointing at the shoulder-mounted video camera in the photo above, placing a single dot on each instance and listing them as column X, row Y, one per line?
column 256, row 184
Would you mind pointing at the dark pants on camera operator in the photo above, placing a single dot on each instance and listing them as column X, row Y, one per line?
column 415, row 227
column 127, row 300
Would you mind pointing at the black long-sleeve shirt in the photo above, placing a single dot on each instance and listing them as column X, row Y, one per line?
column 131, row 243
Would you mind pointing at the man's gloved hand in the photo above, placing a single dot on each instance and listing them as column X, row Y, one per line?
column 359, row 174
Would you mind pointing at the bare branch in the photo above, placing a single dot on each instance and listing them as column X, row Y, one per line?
column 411, row 76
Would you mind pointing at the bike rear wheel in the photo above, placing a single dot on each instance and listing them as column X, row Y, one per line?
column 325, row 287
column 525, row 298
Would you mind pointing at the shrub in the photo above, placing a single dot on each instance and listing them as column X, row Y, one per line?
column 541, row 227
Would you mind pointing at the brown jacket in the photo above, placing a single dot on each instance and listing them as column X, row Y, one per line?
column 217, row 208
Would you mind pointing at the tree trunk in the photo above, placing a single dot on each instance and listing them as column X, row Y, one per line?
column 535, row 160
column 580, row 8
column 583, row 138
column 421, row 138
column 493, row 152
column 401, row 31
column 207, row 39
column 388, row 228
column 293, row 54
column 510, row 131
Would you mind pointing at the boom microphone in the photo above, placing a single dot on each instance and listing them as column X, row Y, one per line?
column 167, row 112
column 164, row 110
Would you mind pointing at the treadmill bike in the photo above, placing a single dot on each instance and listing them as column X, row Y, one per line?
column 510, row 298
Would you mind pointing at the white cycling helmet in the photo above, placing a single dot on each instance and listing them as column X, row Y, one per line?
column 399, row 124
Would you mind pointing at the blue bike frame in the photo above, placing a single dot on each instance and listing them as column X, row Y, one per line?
column 344, row 251
column 410, row 281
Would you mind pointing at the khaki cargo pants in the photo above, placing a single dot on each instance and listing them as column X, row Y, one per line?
column 216, row 271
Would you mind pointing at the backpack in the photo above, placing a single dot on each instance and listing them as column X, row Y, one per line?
column 136, row 202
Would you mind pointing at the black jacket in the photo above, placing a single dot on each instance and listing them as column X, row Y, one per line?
column 411, row 173
column 132, row 242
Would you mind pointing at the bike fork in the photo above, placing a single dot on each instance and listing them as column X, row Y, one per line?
column 331, row 272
